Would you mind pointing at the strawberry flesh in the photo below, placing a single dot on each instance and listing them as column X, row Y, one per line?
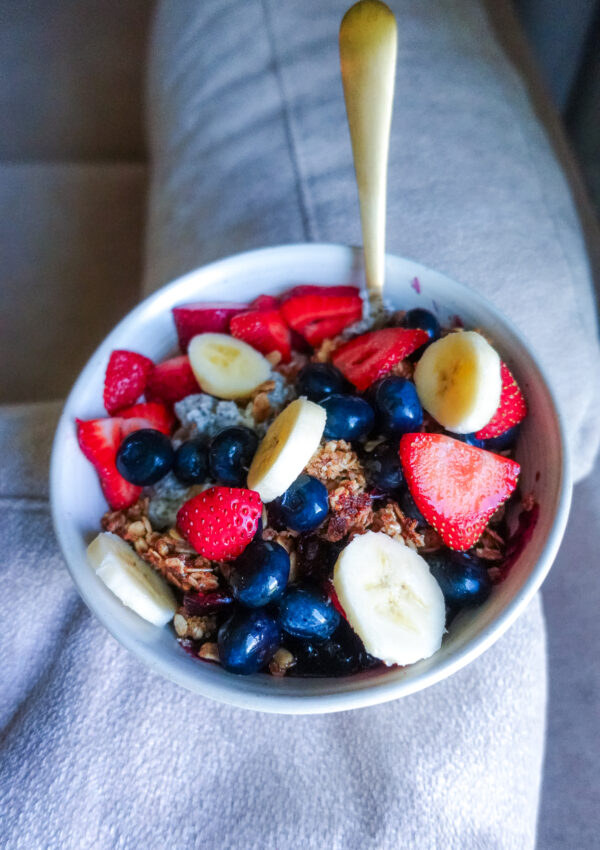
column 193, row 319
column 370, row 356
column 313, row 289
column 264, row 302
column 171, row 381
column 152, row 414
column 456, row 487
column 220, row 522
column 125, row 379
column 264, row 330
column 317, row 316
column 99, row 440
column 511, row 410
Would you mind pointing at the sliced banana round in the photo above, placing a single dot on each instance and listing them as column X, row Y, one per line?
column 458, row 381
column 390, row 598
column 227, row 367
column 286, row 448
column 132, row 580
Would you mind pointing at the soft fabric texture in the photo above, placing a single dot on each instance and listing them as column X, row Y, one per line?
column 251, row 148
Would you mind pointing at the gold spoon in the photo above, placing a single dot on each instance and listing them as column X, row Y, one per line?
column 368, row 47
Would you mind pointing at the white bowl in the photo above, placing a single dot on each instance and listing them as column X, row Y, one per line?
column 77, row 502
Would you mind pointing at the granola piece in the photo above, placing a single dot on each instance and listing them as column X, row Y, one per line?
column 431, row 541
column 350, row 511
column 168, row 553
column 209, row 652
column 397, row 525
column 281, row 662
column 195, row 627
column 402, row 369
column 261, row 407
column 274, row 358
column 290, row 370
column 325, row 350
column 490, row 546
column 528, row 502
column 334, row 461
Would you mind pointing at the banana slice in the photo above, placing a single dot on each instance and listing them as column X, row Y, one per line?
column 390, row 598
column 132, row 580
column 227, row 367
column 286, row 448
column 458, row 381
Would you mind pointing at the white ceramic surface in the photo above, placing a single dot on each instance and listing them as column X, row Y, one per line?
column 77, row 502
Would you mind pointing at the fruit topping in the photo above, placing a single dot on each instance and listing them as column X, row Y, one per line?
column 153, row 414
column 458, row 381
column 125, row 379
column 463, row 578
column 248, row 640
column 390, row 598
column 264, row 302
column 349, row 417
column 456, row 487
column 226, row 367
column 220, row 522
column 423, row 319
column 193, row 319
column 370, row 356
column 230, row 455
column 191, row 461
column 132, row 580
column 319, row 316
column 340, row 655
column 504, row 441
column 314, row 289
column 264, row 330
column 397, row 407
column 292, row 439
column 99, row 440
column 308, row 612
column 303, row 506
column 144, row 457
column 382, row 467
column 510, row 411
column 171, row 381
column 260, row 574
column 317, row 380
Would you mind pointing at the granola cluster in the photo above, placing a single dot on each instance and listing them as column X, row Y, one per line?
column 395, row 524
column 168, row 552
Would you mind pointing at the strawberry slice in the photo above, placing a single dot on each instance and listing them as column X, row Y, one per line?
column 202, row 317
column 264, row 330
column 152, row 414
column 99, row 440
column 317, row 316
column 368, row 357
column 171, row 381
column 220, row 522
column 313, row 289
column 511, row 410
column 264, row 302
column 125, row 379
column 456, row 487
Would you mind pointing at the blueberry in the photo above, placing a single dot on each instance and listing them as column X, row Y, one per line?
column 145, row 456
column 504, row 441
column 306, row 612
column 340, row 655
column 247, row 641
column 317, row 380
column 408, row 506
column 348, row 417
column 304, row 504
column 397, row 407
column 468, row 439
column 382, row 467
column 191, row 462
column 260, row 573
column 423, row 319
column 316, row 557
column 230, row 455
column 464, row 579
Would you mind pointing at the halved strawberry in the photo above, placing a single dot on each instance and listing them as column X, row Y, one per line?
column 221, row 521
column 264, row 302
column 152, row 413
column 99, row 440
column 314, row 289
column 125, row 379
column 318, row 316
column 368, row 357
column 456, row 487
column 264, row 330
column 202, row 317
column 511, row 410
column 171, row 381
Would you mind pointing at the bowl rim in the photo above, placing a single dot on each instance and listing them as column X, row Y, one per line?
column 378, row 693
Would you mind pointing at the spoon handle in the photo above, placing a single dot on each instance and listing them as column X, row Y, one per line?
column 368, row 46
